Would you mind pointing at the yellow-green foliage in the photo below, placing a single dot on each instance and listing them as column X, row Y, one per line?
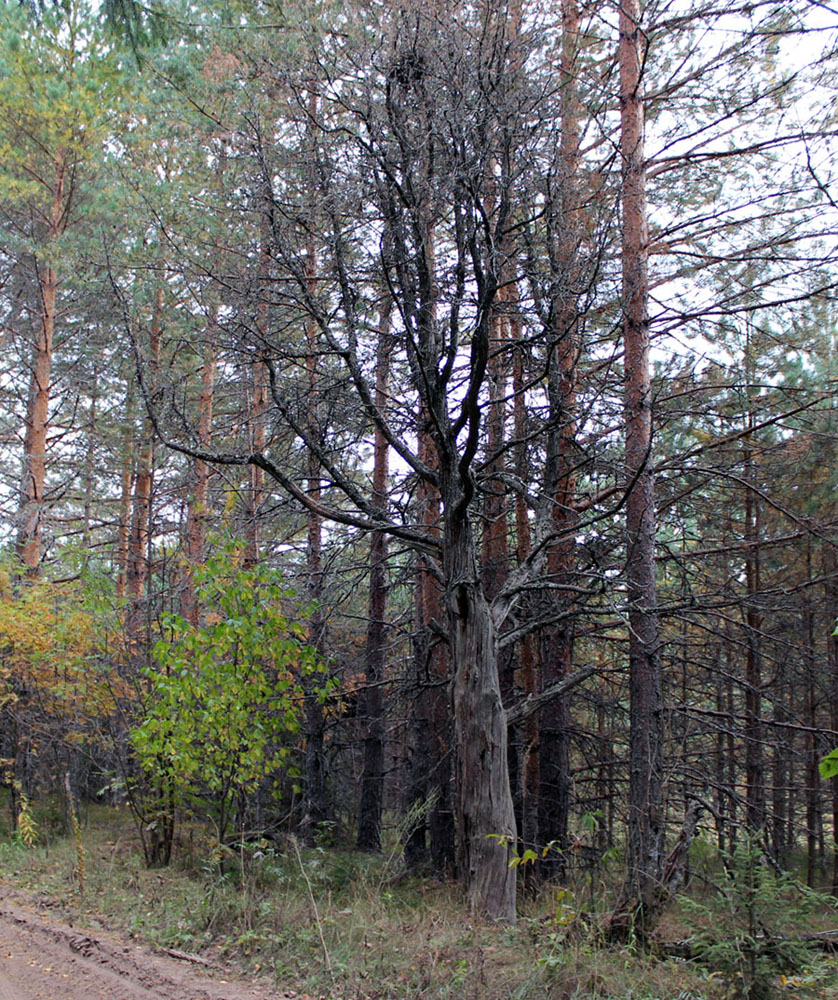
column 53, row 656
column 27, row 828
column 225, row 697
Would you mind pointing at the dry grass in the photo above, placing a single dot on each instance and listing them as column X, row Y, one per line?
column 338, row 924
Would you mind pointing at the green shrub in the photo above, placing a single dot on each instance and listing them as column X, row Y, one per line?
column 746, row 932
column 226, row 696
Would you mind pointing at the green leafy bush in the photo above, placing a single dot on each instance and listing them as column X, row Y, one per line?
column 225, row 698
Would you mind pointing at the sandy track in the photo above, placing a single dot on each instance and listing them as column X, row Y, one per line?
column 42, row 958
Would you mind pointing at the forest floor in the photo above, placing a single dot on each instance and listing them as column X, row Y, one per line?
column 275, row 921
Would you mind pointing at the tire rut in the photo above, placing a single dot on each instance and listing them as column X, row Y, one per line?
column 43, row 959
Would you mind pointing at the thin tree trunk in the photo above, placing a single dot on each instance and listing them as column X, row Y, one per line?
column 90, row 460
column 372, row 780
column 124, row 530
column 529, row 663
column 140, row 535
column 198, row 510
column 557, row 656
column 779, row 768
column 637, row 909
column 259, row 397
column 431, row 773
column 754, row 764
column 316, row 808
column 730, row 728
column 814, row 818
column 831, row 575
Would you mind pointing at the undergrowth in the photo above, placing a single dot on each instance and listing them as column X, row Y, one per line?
column 338, row 924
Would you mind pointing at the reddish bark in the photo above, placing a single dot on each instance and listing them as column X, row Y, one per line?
column 124, row 532
column 197, row 512
column 33, row 485
column 139, row 539
column 259, row 396
column 638, row 909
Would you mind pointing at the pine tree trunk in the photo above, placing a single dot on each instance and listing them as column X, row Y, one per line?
column 372, row 780
column 197, row 514
column 557, row 643
column 754, row 763
column 259, row 395
column 779, row 766
column 33, row 484
column 814, row 817
column 831, row 575
column 140, row 534
column 637, row 909
column 529, row 663
column 431, row 773
column 316, row 806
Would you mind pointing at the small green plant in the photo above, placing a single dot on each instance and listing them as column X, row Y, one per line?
column 746, row 932
column 26, row 827
column 80, row 871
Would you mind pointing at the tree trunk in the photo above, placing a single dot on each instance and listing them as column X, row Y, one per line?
column 754, row 764
column 33, row 484
column 779, row 767
column 637, row 909
column 431, row 771
column 140, row 535
column 316, row 808
column 259, row 395
column 831, row 575
column 814, row 817
column 557, row 656
column 486, row 819
column 529, row 665
column 372, row 780
column 197, row 513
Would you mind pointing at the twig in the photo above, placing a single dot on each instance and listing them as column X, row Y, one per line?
column 296, row 847
column 186, row 957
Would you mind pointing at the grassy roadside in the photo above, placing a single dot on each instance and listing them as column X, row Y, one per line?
column 339, row 924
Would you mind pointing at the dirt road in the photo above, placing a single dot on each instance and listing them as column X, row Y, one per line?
column 42, row 958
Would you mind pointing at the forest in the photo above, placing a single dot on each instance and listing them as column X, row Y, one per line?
column 418, row 443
